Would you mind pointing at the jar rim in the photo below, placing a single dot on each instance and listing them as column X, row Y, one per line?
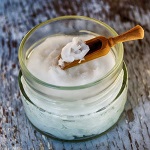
column 34, row 78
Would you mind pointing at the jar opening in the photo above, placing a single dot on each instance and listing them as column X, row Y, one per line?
column 31, row 77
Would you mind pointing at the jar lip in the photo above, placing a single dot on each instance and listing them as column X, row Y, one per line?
column 27, row 72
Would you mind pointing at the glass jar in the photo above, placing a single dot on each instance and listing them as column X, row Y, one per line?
column 75, row 112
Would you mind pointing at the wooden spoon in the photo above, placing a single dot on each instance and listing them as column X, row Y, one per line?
column 101, row 45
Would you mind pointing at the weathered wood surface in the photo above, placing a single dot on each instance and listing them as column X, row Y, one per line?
column 18, row 16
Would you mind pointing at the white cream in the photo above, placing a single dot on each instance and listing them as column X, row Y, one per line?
column 67, row 113
column 43, row 62
column 74, row 50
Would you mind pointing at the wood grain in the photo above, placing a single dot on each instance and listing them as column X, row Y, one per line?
column 17, row 17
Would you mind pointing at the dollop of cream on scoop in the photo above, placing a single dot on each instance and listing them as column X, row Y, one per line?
column 74, row 50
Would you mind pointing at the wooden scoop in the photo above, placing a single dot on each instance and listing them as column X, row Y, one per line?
column 101, row 45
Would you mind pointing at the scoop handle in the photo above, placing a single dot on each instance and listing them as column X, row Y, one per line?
column 135, row 33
